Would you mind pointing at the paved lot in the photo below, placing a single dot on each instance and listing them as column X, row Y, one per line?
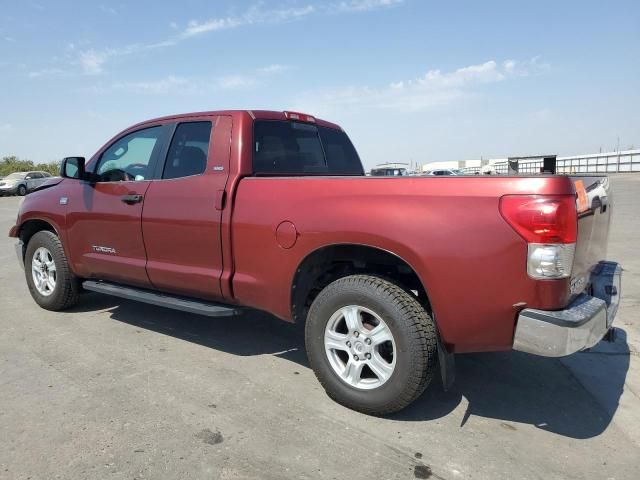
column 115, row 389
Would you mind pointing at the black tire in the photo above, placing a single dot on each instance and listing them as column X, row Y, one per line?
column 413, row 331
column 65, row 292
column 22, row 190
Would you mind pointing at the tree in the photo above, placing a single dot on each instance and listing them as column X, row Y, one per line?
column 12, row 164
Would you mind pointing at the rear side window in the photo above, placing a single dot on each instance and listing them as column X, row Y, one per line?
column 342, row 157
column 188, row 151
column 294, row 148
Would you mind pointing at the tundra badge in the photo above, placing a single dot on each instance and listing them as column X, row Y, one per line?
column 101, row 249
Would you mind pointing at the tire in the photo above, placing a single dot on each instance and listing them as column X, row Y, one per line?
column 65, row 286
column 413, row 341
column 22, row 190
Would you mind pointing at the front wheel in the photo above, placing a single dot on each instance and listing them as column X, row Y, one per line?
column 22, row 190
column 371, row 344
column 49, row 278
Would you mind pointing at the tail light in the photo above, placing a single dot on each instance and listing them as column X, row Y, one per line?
column 300, row 117
column 549, row 224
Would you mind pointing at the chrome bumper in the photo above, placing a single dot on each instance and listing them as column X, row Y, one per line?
column 581, row 325
column 19, row 252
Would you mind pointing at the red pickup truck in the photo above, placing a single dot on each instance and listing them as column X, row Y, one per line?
column 217, row 212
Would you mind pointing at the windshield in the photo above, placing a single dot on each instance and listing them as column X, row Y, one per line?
column 15, row 176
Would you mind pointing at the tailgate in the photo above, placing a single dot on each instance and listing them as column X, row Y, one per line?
column 594, row 204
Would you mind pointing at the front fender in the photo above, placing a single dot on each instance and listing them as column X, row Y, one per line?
column 42, row 207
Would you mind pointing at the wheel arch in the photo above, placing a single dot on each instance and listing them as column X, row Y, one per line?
column 330, row 262
column 32, row 226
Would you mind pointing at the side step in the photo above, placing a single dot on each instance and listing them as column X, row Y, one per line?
column 162, row 299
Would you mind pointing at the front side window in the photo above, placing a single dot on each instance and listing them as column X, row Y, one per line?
column 188, row 151
column 295, row 148
column 129, row 158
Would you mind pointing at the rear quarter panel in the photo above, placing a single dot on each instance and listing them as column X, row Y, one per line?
column 449, row 229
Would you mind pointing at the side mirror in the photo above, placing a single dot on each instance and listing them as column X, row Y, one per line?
column 73, row 167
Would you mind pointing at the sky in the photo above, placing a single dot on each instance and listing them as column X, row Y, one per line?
column 410, row 81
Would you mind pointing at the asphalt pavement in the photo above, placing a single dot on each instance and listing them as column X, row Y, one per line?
column 119, row 390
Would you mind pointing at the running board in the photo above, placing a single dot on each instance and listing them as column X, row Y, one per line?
column 161, row 299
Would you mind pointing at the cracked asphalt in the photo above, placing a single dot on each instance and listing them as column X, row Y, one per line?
column 120, row 390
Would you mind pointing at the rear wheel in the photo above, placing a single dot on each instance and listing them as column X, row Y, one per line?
column 22, row 190
column 371, row 344
column 49, row 278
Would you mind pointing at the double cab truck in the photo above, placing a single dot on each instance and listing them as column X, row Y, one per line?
column 225, row 211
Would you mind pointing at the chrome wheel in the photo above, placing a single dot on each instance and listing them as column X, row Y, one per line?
column 360, row 347
column 43, row 270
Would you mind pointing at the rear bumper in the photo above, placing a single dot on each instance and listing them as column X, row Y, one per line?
column 581, row 325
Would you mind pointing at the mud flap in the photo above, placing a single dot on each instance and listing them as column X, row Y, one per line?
column 447, row 366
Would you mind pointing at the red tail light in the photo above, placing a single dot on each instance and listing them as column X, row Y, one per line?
column 542, row 218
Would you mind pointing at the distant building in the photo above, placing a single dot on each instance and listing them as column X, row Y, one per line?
column 427, row 167
column 622, row 161
column 471, row 166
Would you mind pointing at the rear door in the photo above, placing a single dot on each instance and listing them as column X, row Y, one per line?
column 104, row 217
column 181, row 219
column 594, row 202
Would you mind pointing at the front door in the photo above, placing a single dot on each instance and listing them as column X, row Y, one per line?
column 181, row 220
column 33, row 180
column 104, row 216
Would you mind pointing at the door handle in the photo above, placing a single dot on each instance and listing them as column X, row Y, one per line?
column 131, row 199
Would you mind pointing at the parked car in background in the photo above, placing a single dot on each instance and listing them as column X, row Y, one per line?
column 446, row 171
column 21, row 183
column 390, row 170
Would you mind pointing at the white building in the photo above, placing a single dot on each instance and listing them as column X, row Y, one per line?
column 461, row 164
column 623, row 161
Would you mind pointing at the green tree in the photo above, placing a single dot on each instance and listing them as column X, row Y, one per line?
column 12, row 164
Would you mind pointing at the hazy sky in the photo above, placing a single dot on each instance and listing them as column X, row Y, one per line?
column 409, row 80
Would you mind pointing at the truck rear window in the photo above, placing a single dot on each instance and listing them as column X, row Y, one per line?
column 295, row 148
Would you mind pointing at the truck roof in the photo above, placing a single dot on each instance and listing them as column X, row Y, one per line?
column 254, row 114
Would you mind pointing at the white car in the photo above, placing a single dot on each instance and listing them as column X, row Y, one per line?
column 446, row 171
column 21, row 183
